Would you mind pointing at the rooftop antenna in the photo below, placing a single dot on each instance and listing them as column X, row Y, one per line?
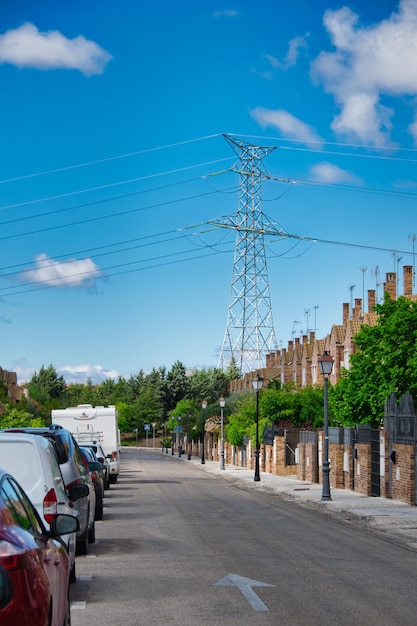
column 413, row 239
column 398, row 274
column 293, row 332
column 352, row 287
column 363, row 270
column 377, row 283
column 307, row 314
column 316, row 306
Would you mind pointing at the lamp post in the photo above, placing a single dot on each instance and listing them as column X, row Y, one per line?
column 257, row 385
column 326, row 366
column 172, row 436
column 222, row 402
column 179, row 435
column 188, row 435
column 203, row 407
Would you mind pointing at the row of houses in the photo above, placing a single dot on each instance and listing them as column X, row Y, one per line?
column 298, row 362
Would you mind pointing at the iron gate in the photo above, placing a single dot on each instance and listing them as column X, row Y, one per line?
column 366, row 434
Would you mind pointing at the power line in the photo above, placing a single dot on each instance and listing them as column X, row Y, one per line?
column 102, row 217
column 110, row 185
column 106, row 160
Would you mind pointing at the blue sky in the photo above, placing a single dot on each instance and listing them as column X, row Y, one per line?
column 111, row 124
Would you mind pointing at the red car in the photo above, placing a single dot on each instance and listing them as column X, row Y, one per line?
column 36, row 562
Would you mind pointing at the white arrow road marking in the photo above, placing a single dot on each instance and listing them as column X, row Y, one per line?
column 245, row 587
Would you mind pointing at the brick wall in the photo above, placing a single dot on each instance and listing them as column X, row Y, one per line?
column 362, row 469
column 337, row 478
column 403, row 474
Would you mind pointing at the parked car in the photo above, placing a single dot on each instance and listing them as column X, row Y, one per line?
column 101, row 457
column 6, row 587
column 73, row 472
column 96, row 471
column 33, row 463
column 35, row 559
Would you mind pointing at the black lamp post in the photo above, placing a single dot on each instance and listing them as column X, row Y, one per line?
column 203, row 407
column 326, row 366
column 188, row 435
column 222, row 402
column 257, row 385
column 179, row 435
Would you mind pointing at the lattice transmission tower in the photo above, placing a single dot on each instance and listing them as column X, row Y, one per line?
column 250, row 331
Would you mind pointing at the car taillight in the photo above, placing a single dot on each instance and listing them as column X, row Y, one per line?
column 12, row 557
column 50, row 506
column 114, row 456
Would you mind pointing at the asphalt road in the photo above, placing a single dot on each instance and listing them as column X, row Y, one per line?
column 181, row 546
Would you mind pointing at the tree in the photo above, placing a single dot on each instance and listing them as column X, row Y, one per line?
column 176, row 385
column 385, row 362
column 46, row 385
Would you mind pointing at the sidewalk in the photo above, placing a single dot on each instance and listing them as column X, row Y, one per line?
column 397, row 519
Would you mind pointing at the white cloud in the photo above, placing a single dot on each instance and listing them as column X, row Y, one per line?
column 27, row 47
column 81, row 373
column 71, row 373
column 286, row 123
column 368, row 63
column 291, row 58
column 225, row 13
column 326, row 172
column 294, row 48
column 72, row 273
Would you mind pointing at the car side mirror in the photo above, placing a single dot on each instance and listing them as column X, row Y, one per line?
column 77, row 491
column 64, row 525
column 94, row 466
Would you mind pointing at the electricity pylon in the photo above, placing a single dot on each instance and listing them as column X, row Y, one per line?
column 250, row 331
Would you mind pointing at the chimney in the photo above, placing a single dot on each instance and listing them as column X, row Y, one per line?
column 408, row 280
column 345, row 313
column 312, row 336
column 371, row 300
column 391, row 285
column 357, row 311
column 305, row 338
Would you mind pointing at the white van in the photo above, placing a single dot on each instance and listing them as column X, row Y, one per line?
column 31, row 460
column 90, row 424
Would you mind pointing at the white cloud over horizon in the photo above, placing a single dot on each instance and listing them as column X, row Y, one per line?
column 368, row 64
column 286, row 123
column 70, row 273
column 27, row 47
column 326, row 172
column 71, row 373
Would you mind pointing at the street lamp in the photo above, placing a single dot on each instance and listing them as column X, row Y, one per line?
column 222, row 402
column 203, row 406
column 188, row 435
column 179, row 435
column 326, row 366
column 257, row 385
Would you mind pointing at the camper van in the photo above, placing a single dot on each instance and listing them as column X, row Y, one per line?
column 91, row 424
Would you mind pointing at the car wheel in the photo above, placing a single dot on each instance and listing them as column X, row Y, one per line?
column 99, row 512
column 82, row 544
column 67, row 619
column 73, row 574
column 92, row 533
